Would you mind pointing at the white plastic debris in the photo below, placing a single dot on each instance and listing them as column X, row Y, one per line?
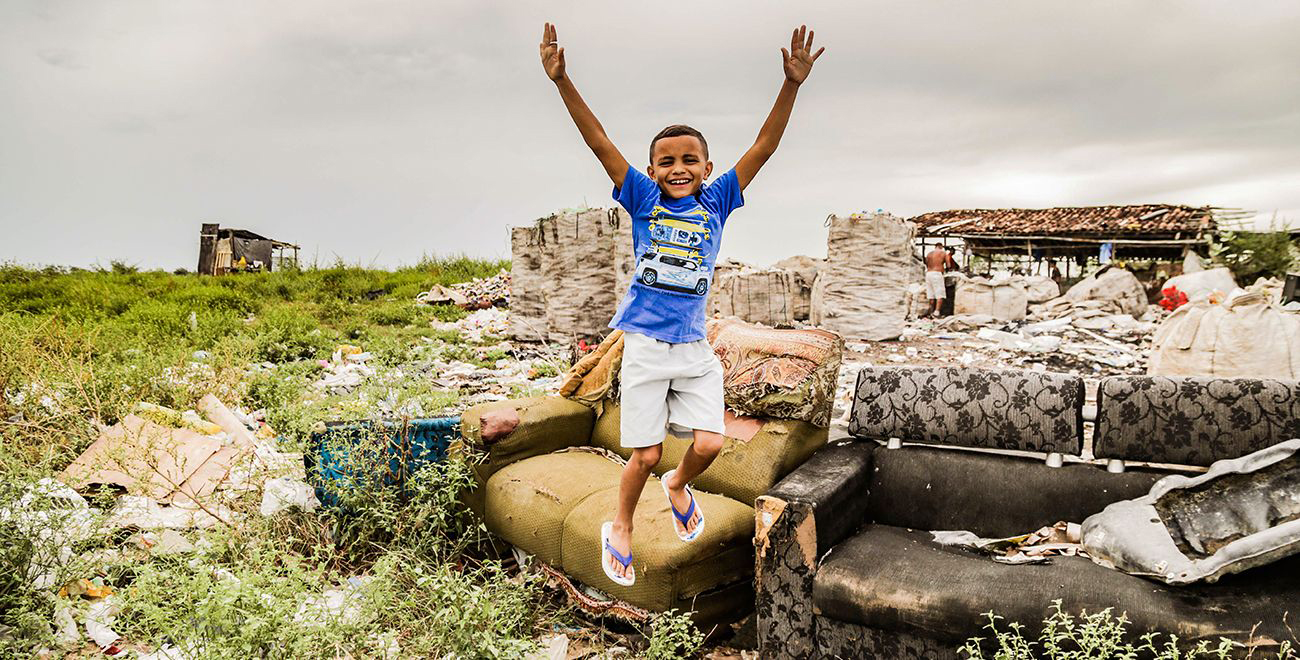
column 282, row 494
column 338, row 606
column 147, row 514
column 99, row 622
column 55, row 517
column 553, row 647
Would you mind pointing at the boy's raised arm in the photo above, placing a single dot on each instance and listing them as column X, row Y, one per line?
column 592, row 132
column 797, row 62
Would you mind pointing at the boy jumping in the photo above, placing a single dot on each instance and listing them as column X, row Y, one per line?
column 671, row 381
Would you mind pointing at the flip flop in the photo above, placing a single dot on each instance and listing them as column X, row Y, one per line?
column 686, row 517
column 607, row 551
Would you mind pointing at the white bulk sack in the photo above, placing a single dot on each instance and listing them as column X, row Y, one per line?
column 1118, row 289
column 1004, row 300
column 1244, row 338
column 861, row 292
column 1200, row 284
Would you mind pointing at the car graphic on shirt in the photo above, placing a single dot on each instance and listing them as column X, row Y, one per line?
column 667, row 270
column 675, row 260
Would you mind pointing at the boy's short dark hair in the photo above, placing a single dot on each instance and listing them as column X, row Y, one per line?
column 678, row 130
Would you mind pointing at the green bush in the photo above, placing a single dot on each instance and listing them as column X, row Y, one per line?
column 284, row 334
column 1098, row 636
column 1252, row 255
column 673, row 635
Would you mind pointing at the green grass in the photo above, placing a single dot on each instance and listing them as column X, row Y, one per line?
column 81, row 348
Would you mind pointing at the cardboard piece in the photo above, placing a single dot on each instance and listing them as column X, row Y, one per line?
column 141, row 457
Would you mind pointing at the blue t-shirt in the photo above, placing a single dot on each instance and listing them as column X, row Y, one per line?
column 675, row 242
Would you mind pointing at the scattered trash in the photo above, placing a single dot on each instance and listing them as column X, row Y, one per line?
column 55, row 518
column 553, row 647
column 283, row 494
column 1061, row 539
column 478, row 294
column 338, row 606
column 99, row 620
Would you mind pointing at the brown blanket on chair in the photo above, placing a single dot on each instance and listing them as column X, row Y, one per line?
column 595, row 376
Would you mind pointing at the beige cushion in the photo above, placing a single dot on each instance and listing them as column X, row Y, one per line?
column 667, row 569
column 527, row 502
column 746, row 468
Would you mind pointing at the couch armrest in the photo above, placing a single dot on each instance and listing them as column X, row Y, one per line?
column 544, row 424
column 797, row 521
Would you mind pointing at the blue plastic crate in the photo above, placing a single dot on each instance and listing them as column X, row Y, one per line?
column 409, row 446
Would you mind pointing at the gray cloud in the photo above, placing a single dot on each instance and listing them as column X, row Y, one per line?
column 374, row 132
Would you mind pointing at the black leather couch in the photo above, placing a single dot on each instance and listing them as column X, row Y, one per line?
column 846, row 567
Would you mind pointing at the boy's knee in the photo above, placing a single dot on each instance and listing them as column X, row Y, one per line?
column 645, row 458
column 708, row 444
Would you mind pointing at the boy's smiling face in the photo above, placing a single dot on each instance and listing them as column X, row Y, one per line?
column 679, row 165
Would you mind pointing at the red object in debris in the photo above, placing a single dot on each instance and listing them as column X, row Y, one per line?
column 1173, row 298
column 582, row 346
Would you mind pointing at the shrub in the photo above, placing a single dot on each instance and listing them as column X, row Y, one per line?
column 284, row 334
column 1251, row 255
column 673, row 635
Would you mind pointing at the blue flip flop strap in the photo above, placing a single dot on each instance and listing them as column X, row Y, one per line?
column 684, row 518
column 625, row 561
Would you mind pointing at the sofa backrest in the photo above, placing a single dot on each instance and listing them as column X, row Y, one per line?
column 1021, row 410
column 1193, row 421
column 996, row 496
column 757, row 453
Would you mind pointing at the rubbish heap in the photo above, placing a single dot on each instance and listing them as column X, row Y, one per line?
column 480, row 293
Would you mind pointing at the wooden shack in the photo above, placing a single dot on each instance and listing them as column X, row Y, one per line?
column 1075, row 237
column 226, row 250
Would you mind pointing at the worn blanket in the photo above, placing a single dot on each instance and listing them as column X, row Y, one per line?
column 787, row 374
column 594, row 378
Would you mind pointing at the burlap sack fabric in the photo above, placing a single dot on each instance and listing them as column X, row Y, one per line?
column 861, row 290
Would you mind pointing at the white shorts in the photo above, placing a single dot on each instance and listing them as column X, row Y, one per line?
column 934, row 288
column 668, row 388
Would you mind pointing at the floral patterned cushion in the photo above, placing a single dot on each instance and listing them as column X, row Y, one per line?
column 1193, row 421
column 1024, row 410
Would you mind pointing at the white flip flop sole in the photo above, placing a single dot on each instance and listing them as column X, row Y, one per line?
column 687, row 538
column 606, row 530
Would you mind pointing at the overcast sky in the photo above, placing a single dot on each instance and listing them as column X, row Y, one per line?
column 378, row 131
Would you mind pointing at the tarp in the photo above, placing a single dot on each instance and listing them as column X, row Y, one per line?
column 1242, row 513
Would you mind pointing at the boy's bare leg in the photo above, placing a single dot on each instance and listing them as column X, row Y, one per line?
column 701, row 453
column 630, row 485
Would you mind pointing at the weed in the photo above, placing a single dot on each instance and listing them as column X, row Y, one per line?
column 673, row 635
column 1097, row 636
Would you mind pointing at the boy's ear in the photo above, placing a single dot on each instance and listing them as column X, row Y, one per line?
column 650, row 171
column 708, row 169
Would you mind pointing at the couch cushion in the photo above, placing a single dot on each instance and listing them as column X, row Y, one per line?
column 526, row 502
column 546, row 423
column 1024, row 410
column 756, row 455
column 992, row 495
column 667, row 569
column 1193, row 421
column 890, row 578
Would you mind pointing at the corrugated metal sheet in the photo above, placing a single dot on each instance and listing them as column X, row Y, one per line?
column 1136, row 220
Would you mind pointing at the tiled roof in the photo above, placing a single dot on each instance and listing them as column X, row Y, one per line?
column 1136, row 220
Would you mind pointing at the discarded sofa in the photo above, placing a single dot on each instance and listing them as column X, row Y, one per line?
column 847, row 567
column 549, row 483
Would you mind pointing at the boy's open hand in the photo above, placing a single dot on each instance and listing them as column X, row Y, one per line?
column 798, row 61
column 553, row 55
